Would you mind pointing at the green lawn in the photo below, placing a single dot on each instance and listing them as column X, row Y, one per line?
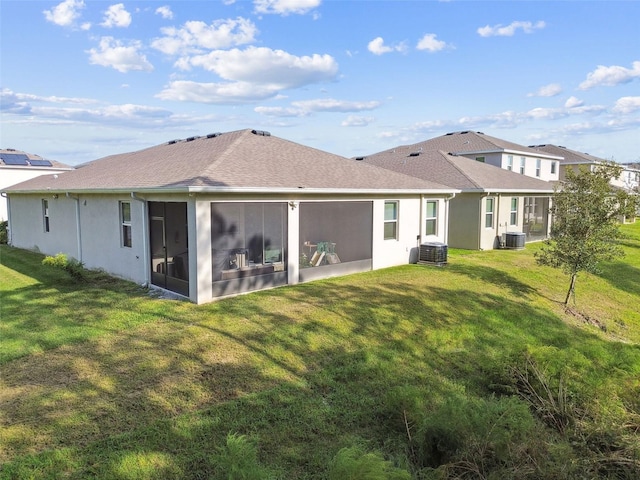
column 471, row 369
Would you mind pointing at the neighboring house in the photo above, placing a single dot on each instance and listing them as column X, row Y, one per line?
column 17, row 166
column 228, row 213
column 629, row 179
column 496, row 207
column 495, row 151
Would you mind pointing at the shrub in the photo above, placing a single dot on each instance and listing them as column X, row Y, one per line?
column 355, row 464
column 73, row 267
column 4, row 235
column 238, row 460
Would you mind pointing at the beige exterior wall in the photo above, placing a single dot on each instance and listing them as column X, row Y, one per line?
column 501, row 160
column 464, row 221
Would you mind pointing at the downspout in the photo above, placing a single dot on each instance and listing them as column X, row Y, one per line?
column 447, row 206
column 145, row 240
column 497, row 228
column 78, row 230
column 4, row 195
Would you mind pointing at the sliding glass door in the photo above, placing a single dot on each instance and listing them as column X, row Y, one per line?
column 169, row 246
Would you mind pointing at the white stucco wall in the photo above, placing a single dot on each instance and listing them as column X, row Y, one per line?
column 501, row 160
column 11, row 175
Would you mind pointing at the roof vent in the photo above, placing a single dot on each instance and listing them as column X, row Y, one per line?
column 450, row 133
column 171, row 142
column 213, row 135
column 360, row 158
column 191, row 139
column 261, row 133
column 464, row 132
column 414, row 154
column 480, row 133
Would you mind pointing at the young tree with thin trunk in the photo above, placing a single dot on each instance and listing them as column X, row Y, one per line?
column 586, row 212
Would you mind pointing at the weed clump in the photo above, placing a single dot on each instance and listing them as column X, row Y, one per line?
column 73, row 267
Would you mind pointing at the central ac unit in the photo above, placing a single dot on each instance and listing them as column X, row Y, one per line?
column 433, row 253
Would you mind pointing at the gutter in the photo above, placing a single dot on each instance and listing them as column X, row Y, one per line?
column 78, row 228
column 4, row 195
column 146, row 260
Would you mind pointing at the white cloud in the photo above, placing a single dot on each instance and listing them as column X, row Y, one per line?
column 66, row 13
column 332, row 105
column 285, row 7
column 430, row 43
column 377, row 47
column 194, row 36
column 573, row 102
column 281, row 112
column 611, row 76
column 217, row 93
column 550, row 90
column 272, row 69
column 509, row 30
column 357, row 121
column 626, row 105
column 165, row 12
column 116, row 16
column 112, row 53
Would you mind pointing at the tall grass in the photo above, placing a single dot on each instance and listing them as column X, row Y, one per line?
column 450, row 372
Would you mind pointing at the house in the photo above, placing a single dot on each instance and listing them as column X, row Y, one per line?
column 223, row 214
column 495, row 207
column 628, row 180
column 17, row 166
column 495, row 151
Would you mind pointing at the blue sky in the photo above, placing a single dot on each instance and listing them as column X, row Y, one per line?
column 82, row 79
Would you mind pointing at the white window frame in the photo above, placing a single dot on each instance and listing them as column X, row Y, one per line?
column 538, row 167
column 553, row 167
column 513, row 213
column 489, row 212
column 510, row 162
column 126, row 234
column 389, row 221
column 523, row 163
column 431, row 220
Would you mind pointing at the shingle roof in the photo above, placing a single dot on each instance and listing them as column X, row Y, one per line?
column 569, row 156
column 468, row 142
column 234, row 160
column 455, row 171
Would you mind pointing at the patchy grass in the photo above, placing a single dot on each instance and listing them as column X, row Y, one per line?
column 102, row 381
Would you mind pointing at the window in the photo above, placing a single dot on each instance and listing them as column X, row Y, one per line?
column 125, row 222
column 538, row 166
column 522, row 164
column 488, row 219
column 391, row 220
column 431, row 226
column 510, row 162
column 513, row 217
column 45, row 214
column 480, row 159
column 553, row 167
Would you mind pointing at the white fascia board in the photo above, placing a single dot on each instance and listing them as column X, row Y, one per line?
column 516, row 191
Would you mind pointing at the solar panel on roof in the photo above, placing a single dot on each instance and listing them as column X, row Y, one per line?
column 14, row 158
column 40, row 163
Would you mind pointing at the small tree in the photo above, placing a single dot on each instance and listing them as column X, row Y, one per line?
column 586, row 212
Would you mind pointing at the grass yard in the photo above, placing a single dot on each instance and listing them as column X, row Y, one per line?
column 473, row 370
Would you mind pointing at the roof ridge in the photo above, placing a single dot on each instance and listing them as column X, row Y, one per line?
column 446, row 156
column 227, row 152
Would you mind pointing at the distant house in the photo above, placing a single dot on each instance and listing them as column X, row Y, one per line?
column 495, row 151
column 17, row 166
column 228, row 213
column 629, row 179
column 495, row 207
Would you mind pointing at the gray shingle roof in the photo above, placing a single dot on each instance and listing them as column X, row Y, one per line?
column 234, row 160
column 569, row 156
column 455, row 171
column 469, row 142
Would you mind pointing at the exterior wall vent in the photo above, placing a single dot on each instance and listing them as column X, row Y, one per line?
column 261, row 133
column 433, row 253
